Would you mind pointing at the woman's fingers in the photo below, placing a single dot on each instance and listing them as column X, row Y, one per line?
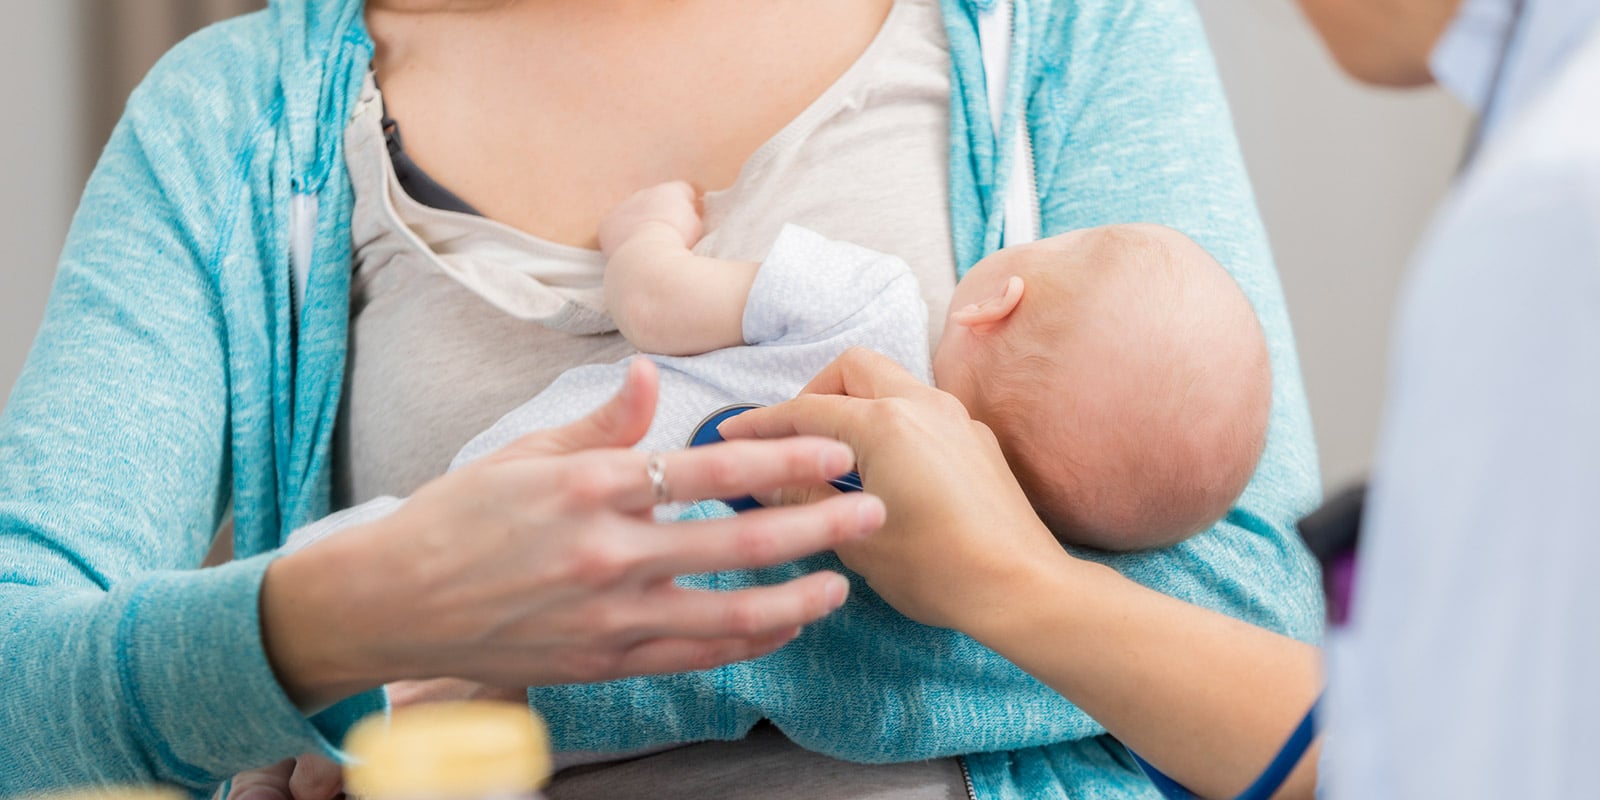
column 829, row 415
column 689, row 655
column 623, row 480
column 315, row 778
column 621, row 422
column 859, row 372
column 267, row 783
column 762, row 537
column 754, row 613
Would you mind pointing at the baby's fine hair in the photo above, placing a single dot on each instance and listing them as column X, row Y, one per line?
column 1132, row 390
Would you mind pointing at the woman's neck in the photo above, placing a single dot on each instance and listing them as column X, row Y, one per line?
column 543, row 114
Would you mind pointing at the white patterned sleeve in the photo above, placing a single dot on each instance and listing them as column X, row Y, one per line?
column 812, row 290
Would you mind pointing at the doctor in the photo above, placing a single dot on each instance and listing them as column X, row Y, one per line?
column 1468, row 669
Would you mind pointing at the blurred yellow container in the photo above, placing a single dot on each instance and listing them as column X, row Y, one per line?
column 117, row 793
column 449, row 751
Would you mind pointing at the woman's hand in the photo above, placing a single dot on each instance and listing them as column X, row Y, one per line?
column 541, row 564
column 960, row 533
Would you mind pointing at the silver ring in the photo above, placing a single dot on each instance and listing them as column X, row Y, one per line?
column 656, row 469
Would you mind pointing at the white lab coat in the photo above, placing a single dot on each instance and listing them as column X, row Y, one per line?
column 1471, row 665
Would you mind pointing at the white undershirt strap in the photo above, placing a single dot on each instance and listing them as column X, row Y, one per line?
column 1020, row 213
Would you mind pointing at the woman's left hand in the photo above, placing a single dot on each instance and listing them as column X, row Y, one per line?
column 960, row 533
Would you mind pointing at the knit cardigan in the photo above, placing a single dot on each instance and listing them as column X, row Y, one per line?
column 193, row 350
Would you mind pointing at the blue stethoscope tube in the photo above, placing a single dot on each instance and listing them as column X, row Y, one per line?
column 1271, row 778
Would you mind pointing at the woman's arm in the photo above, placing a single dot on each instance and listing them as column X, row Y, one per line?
column 1204, row 697
column 113, row 477
column 124, row 663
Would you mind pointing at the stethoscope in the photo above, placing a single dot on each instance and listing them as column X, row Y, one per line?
column 706, row 433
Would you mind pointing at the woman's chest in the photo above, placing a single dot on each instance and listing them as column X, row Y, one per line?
column 432, row 364
column 546, row 115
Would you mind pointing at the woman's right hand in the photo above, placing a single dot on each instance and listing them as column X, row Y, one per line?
column 541, row 564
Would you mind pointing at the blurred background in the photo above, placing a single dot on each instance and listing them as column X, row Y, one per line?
column 1345, row 176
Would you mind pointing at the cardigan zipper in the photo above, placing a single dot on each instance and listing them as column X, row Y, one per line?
column 1024, row 168
column 966, row 777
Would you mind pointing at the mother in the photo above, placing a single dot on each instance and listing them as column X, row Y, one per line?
column 207, row 288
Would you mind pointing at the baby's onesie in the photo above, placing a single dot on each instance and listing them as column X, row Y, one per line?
column 813, row 298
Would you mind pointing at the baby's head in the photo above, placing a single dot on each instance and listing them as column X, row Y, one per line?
column 1124, row 374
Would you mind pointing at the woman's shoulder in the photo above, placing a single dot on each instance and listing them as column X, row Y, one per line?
column 222, row 71
column 243, row 76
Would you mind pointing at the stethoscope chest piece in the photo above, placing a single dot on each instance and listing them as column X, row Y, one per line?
column 706, row 433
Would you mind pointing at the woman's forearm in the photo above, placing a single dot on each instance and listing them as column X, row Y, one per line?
column 1206, row 698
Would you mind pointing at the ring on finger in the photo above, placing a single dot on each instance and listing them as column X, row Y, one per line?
column 656, row 469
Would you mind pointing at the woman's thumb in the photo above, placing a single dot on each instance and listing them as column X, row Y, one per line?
column 621, row 422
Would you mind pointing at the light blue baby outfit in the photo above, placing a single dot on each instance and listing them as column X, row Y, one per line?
column 176, row 376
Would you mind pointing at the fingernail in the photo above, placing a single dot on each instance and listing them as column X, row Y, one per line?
column 628, row 379
column 870, row 512
column 838, row 590
column 835, row 459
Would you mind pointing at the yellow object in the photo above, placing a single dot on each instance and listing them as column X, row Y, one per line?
column 448, row 750
column 117, row 793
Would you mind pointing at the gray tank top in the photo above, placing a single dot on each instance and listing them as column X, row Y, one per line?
column 438, row 353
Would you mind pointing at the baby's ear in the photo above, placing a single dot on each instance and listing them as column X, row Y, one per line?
column 984, row 314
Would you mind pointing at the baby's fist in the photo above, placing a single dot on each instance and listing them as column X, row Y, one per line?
column 671, row 204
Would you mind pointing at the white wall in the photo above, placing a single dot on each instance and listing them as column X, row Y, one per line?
column 1345, row 178
column 39, row 163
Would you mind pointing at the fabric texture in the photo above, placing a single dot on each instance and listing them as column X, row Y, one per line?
column 1466, row 669
column 175, row 373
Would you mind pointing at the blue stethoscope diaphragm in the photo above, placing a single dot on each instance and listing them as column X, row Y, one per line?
column 706, row 433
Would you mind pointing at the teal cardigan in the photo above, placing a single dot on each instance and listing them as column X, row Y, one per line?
column 176, row 375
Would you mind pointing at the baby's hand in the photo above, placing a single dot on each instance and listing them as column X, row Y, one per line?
column 668, row 204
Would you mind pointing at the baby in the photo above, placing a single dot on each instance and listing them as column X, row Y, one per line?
column 1121, row 369
column 1123, row 372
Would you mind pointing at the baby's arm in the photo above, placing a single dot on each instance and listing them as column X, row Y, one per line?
column 664, row 298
